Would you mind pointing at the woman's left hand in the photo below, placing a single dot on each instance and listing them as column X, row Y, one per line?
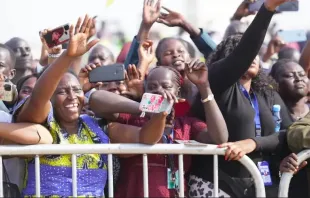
column 236, row 150
column 84, row 79
column 197, row 73
column 78, row 45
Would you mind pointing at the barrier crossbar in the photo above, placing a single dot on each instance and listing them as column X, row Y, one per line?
column 144, row 150
column 286, row 177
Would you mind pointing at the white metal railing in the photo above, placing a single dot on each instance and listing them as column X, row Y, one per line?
column 110, row 149
column 286, row 177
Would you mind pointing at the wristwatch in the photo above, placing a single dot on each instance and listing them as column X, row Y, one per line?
column 209, row 98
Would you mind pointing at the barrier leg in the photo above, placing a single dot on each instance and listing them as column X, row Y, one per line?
column 74, row 176
column 37, row 174
column 181, row 176
column 145, row 176
column 215, row 176
column 110, row 174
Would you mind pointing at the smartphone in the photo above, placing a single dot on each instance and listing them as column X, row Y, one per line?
column 293, row 6
column 290, row 36
column 57, row 36
column 6, row 91
column 154, row 103
column 109, row 73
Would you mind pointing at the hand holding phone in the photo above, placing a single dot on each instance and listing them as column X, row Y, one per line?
column 6, row 91
column 109, row 73
column 154, row 103
column 57, row 36
column 292, row 6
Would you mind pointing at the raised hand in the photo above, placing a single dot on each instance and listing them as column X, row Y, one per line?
column 78, row 45
column 273, row 4
column 134, row 82
column 151, row 12
column 274, row 46
column 197, row 73
column 84, row 79
column 243, row 11
column 171, row 19
column 146, row 52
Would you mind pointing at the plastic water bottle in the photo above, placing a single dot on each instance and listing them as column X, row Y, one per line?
column 276, row 117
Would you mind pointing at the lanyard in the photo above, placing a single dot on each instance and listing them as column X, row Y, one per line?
column 168, row 139
column 253, row 100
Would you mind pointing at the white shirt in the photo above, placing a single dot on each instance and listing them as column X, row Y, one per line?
column 15, row 167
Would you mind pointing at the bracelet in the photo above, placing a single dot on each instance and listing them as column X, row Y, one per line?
column 208, row 99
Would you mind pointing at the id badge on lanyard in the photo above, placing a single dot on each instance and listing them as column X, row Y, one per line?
column 253, row 100
column 264, row 170
column 172, row 174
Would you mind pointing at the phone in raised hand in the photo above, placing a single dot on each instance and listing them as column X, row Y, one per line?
column 154, row 103
column 57, row 36
column 108, row 73
column 255, row 5
column 6, row 91
column 290, row 36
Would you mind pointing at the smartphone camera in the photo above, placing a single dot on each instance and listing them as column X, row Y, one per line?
column 7, row 87
column 66, row 27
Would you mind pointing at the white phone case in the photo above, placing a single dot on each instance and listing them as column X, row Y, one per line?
column 153, row 103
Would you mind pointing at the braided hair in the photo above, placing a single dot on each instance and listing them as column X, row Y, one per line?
column 260, row 83
column 177, row 79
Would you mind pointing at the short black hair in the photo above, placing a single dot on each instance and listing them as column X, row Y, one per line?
column 21, row 81
column 278, row 66
column 162, row 41
column 12, row 54
column 288, row 53
column 70, row 71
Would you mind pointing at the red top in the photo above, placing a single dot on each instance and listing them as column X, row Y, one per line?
column 130, row 182
column 182, row 109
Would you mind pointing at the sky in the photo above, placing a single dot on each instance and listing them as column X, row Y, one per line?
column 25, row 18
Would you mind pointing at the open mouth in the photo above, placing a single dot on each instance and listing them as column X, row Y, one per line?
column 178, row 63
column 73, row 107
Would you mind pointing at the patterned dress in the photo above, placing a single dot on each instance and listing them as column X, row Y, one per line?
column 56, row 171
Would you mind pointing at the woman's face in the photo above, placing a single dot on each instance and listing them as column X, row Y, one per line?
column 114, row 87
column 293, row 81
column 55, row 36
column 254, row 68
column 27, row 88
column 68, row 99
column 161, row 79
column 174, row 53
column 100, row 56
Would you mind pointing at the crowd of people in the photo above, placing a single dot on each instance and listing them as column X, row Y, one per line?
column 231, row 100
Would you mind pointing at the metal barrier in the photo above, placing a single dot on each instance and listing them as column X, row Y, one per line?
column 286, row 177
column 110, row 149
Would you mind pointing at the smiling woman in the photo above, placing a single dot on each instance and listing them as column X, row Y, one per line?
column 56, row 102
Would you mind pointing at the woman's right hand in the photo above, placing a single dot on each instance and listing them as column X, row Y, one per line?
column 290, row 164
column 271, row 5
column 78, row 45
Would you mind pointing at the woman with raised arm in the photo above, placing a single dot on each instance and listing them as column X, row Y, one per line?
column 56, row 102
column 246, row 99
